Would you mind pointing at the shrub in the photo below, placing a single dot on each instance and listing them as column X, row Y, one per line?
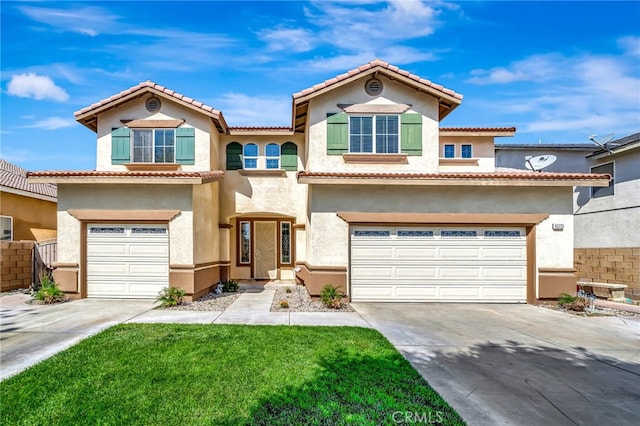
column 170, row 296
column 49, row 291
column 331, row 296
column 287, row 290
column 230, row 286
column 284, row 304
column 573, row 303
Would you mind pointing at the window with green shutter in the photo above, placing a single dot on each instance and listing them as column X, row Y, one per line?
column 185, row 145
column 411, row 134
column 234, row 156
column 337, row 133
column 120, row 145
column 289, row 156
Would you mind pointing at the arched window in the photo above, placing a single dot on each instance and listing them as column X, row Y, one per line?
column 273, row 156
column 289, row 156
column 250, row 156
column 234, row 156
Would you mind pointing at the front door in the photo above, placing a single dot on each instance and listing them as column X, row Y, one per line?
column 265, row 259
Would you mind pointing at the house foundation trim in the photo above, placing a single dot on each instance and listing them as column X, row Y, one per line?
column 66, row 276
column 552, row 282
column 315, row 277
column 196, row 280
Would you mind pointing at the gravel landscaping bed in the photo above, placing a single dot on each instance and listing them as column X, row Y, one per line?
column 300, row 301
column 596, row 311
column 208, row 302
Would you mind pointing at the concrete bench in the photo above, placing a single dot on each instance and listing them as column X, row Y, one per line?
column 609, row 291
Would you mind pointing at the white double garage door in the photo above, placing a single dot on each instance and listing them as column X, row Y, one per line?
column 443, row 264
column 127, row 260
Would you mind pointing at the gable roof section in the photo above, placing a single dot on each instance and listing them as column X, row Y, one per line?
column 447, row 98
column 619, row 145
column 14, row 179
column 89, row 116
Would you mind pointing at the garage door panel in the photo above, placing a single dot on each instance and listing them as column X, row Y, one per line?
column 127, row 261
column 426, row 264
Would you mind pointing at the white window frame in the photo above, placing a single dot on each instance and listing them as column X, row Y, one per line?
column 612, row 183
column 444, row 150
column 246, row 157
column 374, row 144
column 2, row 238
column 153, row 145
column 268, row 158
column 462, row 146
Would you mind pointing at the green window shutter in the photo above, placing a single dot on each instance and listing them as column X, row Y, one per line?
column 185, row 145
column 337, row 133
column 120, row 145
column 289, row 156
column 234, row 156
column 411, row 134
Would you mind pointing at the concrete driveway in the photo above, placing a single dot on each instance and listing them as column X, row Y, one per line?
column 519, row 364
column 32, row 333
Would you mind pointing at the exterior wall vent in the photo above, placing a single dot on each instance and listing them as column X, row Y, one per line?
column 153, row 104
column 373, row 87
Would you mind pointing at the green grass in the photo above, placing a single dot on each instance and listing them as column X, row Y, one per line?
column 159, row 374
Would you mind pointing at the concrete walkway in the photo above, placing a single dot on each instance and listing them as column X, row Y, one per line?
column 253, row 307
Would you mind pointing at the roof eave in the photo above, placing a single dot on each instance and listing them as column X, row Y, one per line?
column 326, row 180
column 603, row 154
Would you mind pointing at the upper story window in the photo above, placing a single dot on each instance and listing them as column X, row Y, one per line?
column 597, row 191
column 467, row 152
column 250, row 156
column 153, row 145
column 383, row 129
column 449, row 151
column 273, row 156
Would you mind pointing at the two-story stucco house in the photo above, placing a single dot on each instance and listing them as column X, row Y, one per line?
column 365, row 190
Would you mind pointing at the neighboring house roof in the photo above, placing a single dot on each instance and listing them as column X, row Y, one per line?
column 555, row 146
column 447, row 98
column 477, row 131
column 619, row 145
column 499, row 177
column 92, row 176
column 88, row 116
column 14, row 179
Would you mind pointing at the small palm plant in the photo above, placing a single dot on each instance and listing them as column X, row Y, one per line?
column 49, row 291
column 331, row 296
column 170, row 296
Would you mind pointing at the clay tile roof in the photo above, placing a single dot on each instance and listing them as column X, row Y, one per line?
column 12, row 176
column 477, row 129
column 156, row 88
column 265, row 128
column 391, row 69
column 207, row 176
column 499, row 174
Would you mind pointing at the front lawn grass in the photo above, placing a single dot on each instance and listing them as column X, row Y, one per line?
column 170, row 374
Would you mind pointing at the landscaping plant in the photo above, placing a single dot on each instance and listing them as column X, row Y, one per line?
column 49, row 291
column 331, row 296
column 284, row 304
column 230, row 286
column 171, row 296
column 573, row 303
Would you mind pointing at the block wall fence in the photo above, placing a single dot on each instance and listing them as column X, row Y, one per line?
column 610, row 265
column 15, row 264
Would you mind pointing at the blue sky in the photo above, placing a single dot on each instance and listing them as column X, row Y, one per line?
column 558, row 71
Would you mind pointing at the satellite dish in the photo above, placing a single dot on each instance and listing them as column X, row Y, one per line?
column 603, row 141
column 539, row 162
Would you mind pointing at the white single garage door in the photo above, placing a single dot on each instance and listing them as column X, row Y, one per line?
column 127, row 261
column 440, row 264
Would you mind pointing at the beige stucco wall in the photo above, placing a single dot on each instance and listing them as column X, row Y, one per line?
column 28, row 213
column 126, row 197
column 327, row 234
column 354, row 93
column 206, row 135
column 206, row 234
column 482, row 150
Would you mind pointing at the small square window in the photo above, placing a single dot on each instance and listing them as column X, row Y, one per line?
column 600, row 191
column 449, row 151
column 467, row 151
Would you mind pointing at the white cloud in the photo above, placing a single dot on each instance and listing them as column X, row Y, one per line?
column 52, row 123
column 295, row 40
column 630, row 44
column 243, row 110
column 535, row 68
column 89, row 20
column 35, row 86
